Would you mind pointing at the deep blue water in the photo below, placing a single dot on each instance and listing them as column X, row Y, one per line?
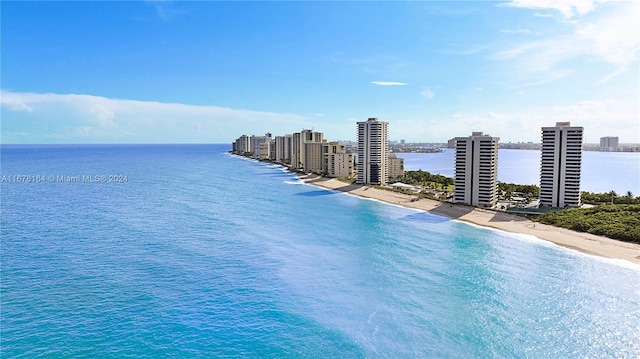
column 601, row 171
column 201, row 254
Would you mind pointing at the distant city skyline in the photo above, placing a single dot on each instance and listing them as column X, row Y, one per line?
column 205, row 72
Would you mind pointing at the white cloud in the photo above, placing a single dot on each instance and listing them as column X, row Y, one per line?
column 519, row 31
column 585, row 106
column 86, row 118
column 568, row 8
column 538, row 14
column 550, row 76
column 389, row 83
column 599, row 117
column 609, row 116
column 541, row 56
column 465, row 52
column 497, row 116
column 167, row 10
column 427, row 93
column 615, row 40
column 14, row 103
column 610, row 37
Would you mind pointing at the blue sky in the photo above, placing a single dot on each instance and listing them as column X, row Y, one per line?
column 201, row 72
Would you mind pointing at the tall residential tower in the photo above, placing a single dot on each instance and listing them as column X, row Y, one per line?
column 560, row 165
column 372, row 152
column 283, row 145
column 476, row 178
column 298, row 147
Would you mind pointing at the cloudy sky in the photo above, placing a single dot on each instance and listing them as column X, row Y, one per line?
column 208, row 72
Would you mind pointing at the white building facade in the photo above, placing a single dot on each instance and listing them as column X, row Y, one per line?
column 283, row 148
column 560, row 165
column 256, row 141
column 241, row 145
column 372, row 165
column 476, row 171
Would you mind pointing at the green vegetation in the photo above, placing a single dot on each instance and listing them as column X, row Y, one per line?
column 609, row 198
column 617, row 221
column 349, row 180
column 528, row 191
column 416, row 195
column 426, row 179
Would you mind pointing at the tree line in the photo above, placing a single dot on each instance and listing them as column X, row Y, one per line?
column 609, row 198
column 424, row 178
column 427, row 179
column 617, row 221
column 526, row 190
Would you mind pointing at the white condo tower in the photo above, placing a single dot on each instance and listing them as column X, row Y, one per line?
column 561, row 158
column 476, row 176
column 372, row 152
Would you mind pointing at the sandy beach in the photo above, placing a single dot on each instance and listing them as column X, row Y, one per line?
column 583, row 242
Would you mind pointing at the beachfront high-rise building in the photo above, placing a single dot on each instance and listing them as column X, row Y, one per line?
column 264, row 150
column 372, row 152
column 298, row 148
column 241, row 145
column 340, row 165
column 272, row 150
column 313, row 158
column 336, row 162
column 395, row 165
column 283, row 148
column 476, row 173
column 561, row 158
column 609, row 143
column 255, row 141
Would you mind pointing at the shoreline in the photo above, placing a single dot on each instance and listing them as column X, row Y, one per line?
column 579, row 241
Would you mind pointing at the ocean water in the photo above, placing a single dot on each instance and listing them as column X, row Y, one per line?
column 601, row 171
column 202, row 254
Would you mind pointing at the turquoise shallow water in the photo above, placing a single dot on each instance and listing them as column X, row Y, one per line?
column 201, row 254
